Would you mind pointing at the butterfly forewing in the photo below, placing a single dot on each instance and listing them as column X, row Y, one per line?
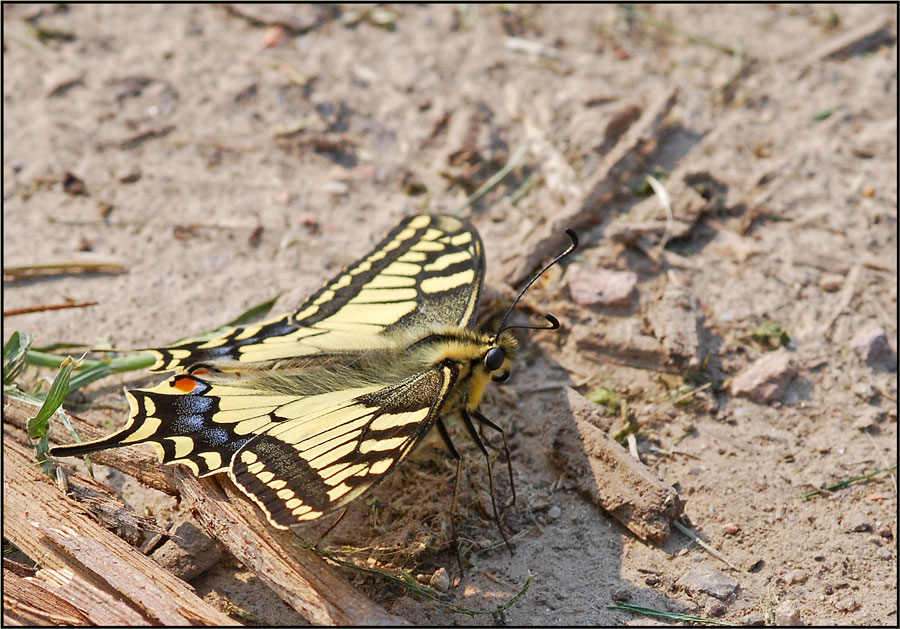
column 427, row 271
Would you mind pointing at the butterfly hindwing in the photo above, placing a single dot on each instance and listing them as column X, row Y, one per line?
column 427, row 271
column 198, row 423
column 307, row 466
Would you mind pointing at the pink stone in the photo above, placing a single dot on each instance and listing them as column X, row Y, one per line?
column 590, row 286
column 767, row 378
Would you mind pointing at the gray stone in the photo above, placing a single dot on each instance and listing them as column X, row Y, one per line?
column 855, row 522
column 846, row 604
column 189, row 552
column 753, row 619
column 870, row 342
column 709, row 581
column 787, row 614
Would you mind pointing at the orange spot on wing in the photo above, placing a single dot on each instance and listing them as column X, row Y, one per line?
column 201, row 372
column 185, row 384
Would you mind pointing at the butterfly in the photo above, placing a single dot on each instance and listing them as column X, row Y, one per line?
column 307, row 411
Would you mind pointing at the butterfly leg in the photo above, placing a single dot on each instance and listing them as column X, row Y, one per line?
column 442, row 429
column 331, row 528
column 467, row 420
column 486, row 422
column 484, row 438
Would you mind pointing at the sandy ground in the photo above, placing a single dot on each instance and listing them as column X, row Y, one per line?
column 223, row 161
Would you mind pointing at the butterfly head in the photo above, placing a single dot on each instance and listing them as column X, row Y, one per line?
column 499, row 358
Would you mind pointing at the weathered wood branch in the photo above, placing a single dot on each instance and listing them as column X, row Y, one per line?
column 300, row 577
column 28, row 602
column 627, row 156
column 105, row 578
column 609, row 476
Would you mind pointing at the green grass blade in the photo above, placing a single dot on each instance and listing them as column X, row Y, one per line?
column 40, row 423
column 637, row 609
column 14, row 352
column 844, row 483
column 253, row 313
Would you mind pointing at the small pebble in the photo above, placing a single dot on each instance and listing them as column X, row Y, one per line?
column 787, row 614
column 732, row 528
column 847, row 604
column 74, row 185
column 865, row 390
column 440, row 580
column 716, row 610
column 886, row 532
column 753, row 619
column 870, row 342
column 795, row 576
column 754, row 565
column 554, row 512
column 766, row 379
column 709, row 581
column 855, row 522
column 831, row 282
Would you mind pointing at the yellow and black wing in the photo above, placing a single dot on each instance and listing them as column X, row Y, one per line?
column 296, row 457
column 427, row 271
column 322, row 459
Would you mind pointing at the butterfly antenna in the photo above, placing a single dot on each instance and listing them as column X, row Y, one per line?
column 554, row 323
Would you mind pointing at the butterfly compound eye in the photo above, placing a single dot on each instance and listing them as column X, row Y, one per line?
column 494, row 359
